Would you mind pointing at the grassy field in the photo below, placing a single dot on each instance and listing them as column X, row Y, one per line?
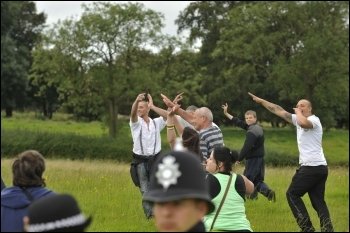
column 105, row 191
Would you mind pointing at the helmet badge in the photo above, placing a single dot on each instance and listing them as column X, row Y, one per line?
column 168, row 172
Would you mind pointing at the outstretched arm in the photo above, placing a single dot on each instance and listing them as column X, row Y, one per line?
column 274, row 108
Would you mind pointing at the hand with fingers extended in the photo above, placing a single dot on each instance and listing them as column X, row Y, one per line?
column 255, row 98
column 167, row 101
column 225, row 107
column 178, row 98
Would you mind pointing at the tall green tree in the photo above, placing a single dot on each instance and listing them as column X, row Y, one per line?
column 205, row 21
column 113, row 33
column 283, row 51
column 21, row 26
column 102, row 48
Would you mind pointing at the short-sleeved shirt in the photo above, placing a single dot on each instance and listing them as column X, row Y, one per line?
column 209, row 138
column 310, row 142
column 150, row 139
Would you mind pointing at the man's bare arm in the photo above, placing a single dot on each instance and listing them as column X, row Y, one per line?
column 161, row 112
column 133, row 114
column 274, row 108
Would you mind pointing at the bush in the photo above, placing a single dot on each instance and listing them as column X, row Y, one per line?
column 55, row 145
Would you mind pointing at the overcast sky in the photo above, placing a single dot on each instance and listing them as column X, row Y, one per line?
column 56, row 10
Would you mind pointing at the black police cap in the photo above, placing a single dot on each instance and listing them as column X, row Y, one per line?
column 178, row 175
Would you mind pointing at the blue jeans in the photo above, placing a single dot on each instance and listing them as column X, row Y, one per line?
column 144, row 175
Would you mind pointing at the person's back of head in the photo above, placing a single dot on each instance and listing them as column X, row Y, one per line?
column 190, row 140
column 226, row 156
column 28, row 169
column 55, row 213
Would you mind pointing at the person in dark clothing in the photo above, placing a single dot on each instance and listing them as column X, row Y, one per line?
column 28, row 186
column 253, row 152
column 2, row 184
column 179, row 192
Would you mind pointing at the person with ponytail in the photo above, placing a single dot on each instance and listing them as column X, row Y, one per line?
column 229, row 196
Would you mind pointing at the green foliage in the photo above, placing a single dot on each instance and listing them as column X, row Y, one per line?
column 284, row 51
column 20, row 31
column 66, row 145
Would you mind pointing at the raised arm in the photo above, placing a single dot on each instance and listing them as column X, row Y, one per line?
column 181, row 112
column 171, row 132
column 274, row 108
column 228, row 115
column 235, row 120
column 178, row 126
column 159, row 111
column 133, row 114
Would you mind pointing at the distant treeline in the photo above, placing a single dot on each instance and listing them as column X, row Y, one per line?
column 95, row 65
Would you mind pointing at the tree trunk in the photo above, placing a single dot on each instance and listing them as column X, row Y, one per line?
column 44, row 108
column 8, row 111
column 113, row 117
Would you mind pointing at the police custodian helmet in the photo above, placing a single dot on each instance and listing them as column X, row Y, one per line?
column 178, row 175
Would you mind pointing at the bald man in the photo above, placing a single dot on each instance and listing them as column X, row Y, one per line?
column 312, row 174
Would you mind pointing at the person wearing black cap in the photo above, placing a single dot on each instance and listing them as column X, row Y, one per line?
column 56, row 213
column 179, row 192
column 229, row 202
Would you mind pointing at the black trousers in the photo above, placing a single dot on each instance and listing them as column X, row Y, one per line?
column 255, row 172
column 311, row 180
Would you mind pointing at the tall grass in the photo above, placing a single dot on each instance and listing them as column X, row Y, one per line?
column 105, row 191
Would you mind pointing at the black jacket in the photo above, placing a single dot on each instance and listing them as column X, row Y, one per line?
column 254, row 143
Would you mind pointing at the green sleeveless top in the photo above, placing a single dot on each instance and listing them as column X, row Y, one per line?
column 232, row 214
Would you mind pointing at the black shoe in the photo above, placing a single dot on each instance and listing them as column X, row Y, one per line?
column 271, row 196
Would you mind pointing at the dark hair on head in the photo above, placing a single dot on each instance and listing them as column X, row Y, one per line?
column 146, row 97
column 190, row 140
column 28, row 168
column 226, row 156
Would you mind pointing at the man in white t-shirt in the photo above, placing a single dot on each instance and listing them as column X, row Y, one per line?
column 313, row 172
